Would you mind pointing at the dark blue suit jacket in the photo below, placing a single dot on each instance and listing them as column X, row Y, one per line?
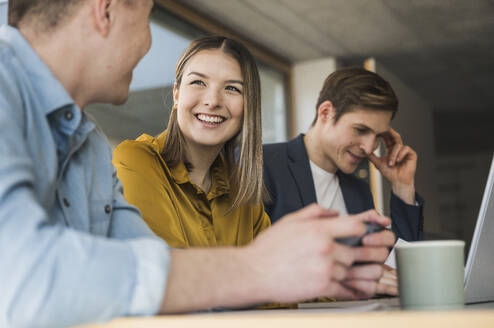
column 289, row 182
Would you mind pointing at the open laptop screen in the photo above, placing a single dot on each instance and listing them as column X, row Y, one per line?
column 479, row 271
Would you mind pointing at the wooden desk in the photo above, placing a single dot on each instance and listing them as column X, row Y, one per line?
column 312, row 318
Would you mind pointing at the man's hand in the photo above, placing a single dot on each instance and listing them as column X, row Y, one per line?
column 299, row 258
column 366, row 279
column 398, row 166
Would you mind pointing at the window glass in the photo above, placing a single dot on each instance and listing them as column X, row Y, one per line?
column 274, row 111
column 3, row 12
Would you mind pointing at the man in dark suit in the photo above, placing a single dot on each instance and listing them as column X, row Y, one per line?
column 354, row 111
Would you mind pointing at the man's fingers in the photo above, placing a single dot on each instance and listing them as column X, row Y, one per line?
column 364, row 288
column 387, row 289
column 394, row 144
column 389, row 140
column 372, row 216
column 340, row 272
column 404, row 153
column 371, row 254
column 311, row 212
column 390, row 282
column 343, row 255
column 367, row 272
column 353, row 225
column 328, row 213
column 339, row 291
column 343, row 227
column 382, row 238
column 392, row 158
column 389, row 271
column 389, row 277
column 395, row 135
column 378, row 162
column 388, row 268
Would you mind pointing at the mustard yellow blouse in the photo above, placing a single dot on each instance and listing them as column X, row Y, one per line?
column 175, row 208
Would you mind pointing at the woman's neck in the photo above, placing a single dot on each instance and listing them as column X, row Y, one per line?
column 202, row 158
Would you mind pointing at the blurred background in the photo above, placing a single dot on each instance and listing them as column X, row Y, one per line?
column 437, row 54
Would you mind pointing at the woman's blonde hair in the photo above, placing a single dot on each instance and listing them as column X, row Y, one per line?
column 242, row 153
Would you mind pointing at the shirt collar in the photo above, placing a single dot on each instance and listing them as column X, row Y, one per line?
column 219, row 172
column 50, row 93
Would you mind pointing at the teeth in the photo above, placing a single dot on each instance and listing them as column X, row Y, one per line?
column 210, row 119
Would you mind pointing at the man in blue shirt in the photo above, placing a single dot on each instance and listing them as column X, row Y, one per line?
column 72, row 250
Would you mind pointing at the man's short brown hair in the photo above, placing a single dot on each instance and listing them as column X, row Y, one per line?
column 49, row 12
column 353, row 87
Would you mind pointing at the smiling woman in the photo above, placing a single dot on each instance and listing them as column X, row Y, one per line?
column 199, row 183
column 219, row 75
column 209, row 102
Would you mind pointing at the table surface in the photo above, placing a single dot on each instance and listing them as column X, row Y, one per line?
column 379, row 313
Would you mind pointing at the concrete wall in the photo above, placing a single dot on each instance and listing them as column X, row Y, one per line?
column 307, row 80
column 414, row 121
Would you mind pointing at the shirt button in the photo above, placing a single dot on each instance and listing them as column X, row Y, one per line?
column 107, row 209
column 68, row 115
column 66, row 202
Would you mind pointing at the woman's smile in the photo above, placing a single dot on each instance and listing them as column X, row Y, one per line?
column 210, row 120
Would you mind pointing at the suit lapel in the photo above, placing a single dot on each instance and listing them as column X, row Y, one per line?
column 298, row 163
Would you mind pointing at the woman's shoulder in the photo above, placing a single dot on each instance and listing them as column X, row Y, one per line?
column 144, row 150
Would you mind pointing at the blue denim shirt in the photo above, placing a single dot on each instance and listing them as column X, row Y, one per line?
column 72, row 250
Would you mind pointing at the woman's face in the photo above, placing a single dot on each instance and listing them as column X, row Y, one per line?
column 209, row 99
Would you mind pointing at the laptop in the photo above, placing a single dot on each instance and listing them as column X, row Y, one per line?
column 479, row 271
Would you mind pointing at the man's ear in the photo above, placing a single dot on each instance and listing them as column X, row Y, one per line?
column 326, row 112
column 102, row 11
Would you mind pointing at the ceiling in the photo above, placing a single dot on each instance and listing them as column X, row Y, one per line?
column 444, row 49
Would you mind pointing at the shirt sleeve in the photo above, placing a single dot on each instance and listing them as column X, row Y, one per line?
column 53, row 276
column 152, row 253
column 408, row 220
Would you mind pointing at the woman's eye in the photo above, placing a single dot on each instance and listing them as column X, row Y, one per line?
column 360, row 130
column 232, row 88
column 198, row 82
